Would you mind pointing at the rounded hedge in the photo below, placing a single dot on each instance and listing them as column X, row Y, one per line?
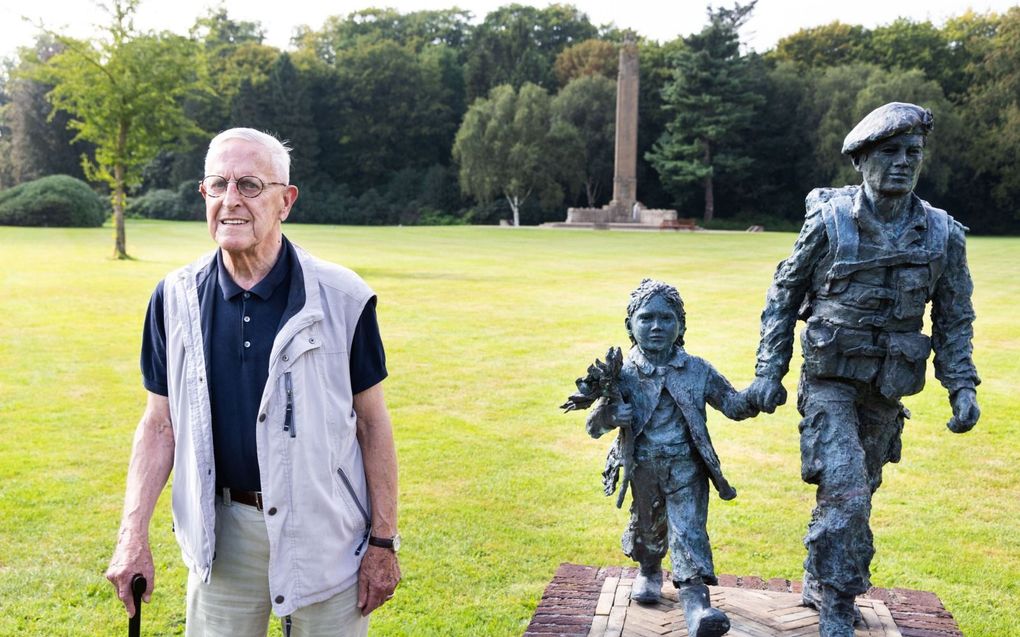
column 56, row 200
column 183, row 204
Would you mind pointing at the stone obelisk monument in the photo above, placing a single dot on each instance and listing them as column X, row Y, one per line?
column 624, row 211
column 625, row 170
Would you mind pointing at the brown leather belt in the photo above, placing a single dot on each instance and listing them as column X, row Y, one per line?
column 251, row 498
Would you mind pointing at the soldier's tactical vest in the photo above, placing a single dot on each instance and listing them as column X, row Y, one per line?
column 865, row 311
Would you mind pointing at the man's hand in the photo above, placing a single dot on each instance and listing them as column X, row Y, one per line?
column 132, row 556
column 377, row 579
column 766, row 393
column 965, row 411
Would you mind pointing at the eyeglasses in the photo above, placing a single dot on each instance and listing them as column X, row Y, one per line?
column 249, row 185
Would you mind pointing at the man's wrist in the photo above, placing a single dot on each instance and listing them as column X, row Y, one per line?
column 385, row 542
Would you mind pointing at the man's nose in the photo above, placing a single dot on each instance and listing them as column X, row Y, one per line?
column 232, row 196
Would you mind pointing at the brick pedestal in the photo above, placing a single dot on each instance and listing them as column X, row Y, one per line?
column 585, row 601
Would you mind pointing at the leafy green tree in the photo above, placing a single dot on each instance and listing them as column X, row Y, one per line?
column 6, row 173
column 655, row 62
column 510, row 145
column 831, row 44
column 713, row 104
column 416, row 30
column 992, row 113
column 216, row 30
column 39, row 141
column 588, row 105
column 280, row 103
column 517, row 44
column 393, row 111
column 124, row 95
column 591, row 57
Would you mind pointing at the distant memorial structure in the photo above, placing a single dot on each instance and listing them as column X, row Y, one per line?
column 624, row 211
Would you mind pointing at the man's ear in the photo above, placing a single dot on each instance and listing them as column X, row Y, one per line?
column 290, row 195
column 857, row 159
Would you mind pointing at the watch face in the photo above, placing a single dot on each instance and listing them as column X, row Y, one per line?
column 396, row 542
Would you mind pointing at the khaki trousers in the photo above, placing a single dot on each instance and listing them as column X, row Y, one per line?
column 236, row 603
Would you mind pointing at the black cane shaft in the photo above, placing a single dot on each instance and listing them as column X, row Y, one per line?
column 138, row 586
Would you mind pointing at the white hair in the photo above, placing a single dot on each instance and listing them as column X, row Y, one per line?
column 279, row 152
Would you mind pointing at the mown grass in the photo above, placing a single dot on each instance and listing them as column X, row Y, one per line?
column 485, row 330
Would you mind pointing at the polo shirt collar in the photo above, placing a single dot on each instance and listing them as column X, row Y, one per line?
column 264, row 288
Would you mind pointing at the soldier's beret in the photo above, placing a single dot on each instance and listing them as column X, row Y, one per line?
column 888, row 120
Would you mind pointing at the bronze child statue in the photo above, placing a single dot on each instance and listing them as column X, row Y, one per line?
column 656, row 398
column 868, row 260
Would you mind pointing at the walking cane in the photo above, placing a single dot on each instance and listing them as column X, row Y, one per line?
column 138, row 586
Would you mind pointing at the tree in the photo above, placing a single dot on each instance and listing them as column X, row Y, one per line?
column 517, row 44
column 124, row 95
column 993, row 115
column 510, row 145
column 416, row 30
column 394, row 111
column 40, row 143
column 588, row 105
column 827, row 45
column 713, row 101
column 280, row 103
column 591, row 57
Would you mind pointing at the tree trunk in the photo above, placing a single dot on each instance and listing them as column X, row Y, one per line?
column 591, row 189
column 709, row 190
column 515, row 206
column 119, row 196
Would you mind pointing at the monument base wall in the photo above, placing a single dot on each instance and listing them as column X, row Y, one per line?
column 655, row 217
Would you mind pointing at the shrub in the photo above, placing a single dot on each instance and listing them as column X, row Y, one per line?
column 56, row 200
column 183, row 204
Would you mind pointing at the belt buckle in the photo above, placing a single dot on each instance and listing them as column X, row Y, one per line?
column 258, row 500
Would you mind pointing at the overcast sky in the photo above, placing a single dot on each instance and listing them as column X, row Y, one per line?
column 658, row 19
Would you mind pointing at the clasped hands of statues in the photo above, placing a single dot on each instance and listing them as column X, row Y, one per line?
column 767, row 392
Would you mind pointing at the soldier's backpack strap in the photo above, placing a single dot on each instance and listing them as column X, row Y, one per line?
column 835, row 206
column 937, row 241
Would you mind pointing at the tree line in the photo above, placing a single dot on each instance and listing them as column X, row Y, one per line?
column 428, row 117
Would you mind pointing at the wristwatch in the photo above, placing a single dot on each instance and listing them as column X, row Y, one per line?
column 391, row 543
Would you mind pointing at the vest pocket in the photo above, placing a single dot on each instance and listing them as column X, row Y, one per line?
column 838, row 352
column 911, row 293
column 904, row 365
column 348, row 488
column 288, row 417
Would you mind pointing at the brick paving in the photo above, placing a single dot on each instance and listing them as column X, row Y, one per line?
column 586, row 601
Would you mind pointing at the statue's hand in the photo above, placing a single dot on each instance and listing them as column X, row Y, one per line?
column 766, row 393
column 965, row 411
column 623, row 414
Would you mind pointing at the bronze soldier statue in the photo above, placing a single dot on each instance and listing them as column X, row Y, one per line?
column 866, row 264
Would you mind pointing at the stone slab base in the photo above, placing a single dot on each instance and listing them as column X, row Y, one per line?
column 636, row 227
column 585, row 601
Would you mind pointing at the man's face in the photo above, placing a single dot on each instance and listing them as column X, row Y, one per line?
column 892, row 166
column 654, row 325
column 246, row 226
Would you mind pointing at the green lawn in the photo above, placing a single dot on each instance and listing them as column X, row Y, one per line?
column 486, row 329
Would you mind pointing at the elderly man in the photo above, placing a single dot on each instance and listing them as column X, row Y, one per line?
column 868, row 260
column 263, row 366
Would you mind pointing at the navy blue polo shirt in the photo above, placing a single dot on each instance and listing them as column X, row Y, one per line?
column 238, row 329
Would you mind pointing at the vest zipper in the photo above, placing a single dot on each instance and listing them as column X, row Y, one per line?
column 288, row 419
column 361, row 509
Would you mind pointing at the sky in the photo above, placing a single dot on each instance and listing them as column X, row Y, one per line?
column 657, row 19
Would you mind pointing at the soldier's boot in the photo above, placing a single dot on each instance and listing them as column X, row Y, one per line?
column 647, row 587
column 702, row 619
column 811, row 596
column 836, row 614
